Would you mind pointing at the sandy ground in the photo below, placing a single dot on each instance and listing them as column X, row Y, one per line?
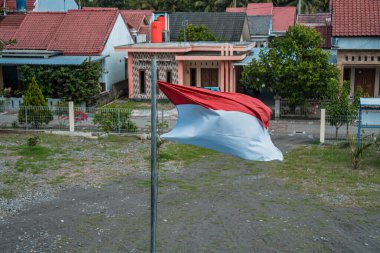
column 223, row 204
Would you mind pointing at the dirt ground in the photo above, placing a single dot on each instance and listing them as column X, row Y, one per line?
column 214, row 204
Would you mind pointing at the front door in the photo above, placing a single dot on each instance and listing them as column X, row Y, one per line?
column 365, row 78
column 209, row 77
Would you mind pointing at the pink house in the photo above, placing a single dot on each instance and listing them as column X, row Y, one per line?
column 200, row 64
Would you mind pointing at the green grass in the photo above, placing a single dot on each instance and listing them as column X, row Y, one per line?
column 184, row 153
column 328, row 171
column 58, row 180
column 7, row 193
column 133, row 105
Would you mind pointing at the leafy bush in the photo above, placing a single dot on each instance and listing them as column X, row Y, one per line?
column 108, row 119
column 70, row 83
column 33, row 141
column 34, row 109
column 357, row 151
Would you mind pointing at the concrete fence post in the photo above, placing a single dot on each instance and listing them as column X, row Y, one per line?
column 323, row 126
column 277, row 109
column 71, row 116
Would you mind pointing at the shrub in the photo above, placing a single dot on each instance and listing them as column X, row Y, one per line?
column 108, row 120
column 33, row 141
column 34, row 109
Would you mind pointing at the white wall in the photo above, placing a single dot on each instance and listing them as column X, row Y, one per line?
column 115, row 62
column 56, row 5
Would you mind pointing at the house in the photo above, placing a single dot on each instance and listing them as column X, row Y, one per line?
column 68, row 38
column 266, row 21
column 38, row 5
column 228, row 27
column 356, row 36
column 138, row 23
column 200, row 64
column 320, row 22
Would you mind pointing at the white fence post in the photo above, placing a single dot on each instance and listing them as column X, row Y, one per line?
column 71, row 116
column 277, row 109
column 323, row 126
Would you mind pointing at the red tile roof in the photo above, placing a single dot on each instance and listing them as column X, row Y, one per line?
column 37, row 29
column 356, row 18
column 9, row 25
column 239, row 9
column 283, row 17
column 147, row 13
column 326, row 32
column 84, row 32
column 316, row 19
column 133, row 20
column 259, row 9
column 10, row 5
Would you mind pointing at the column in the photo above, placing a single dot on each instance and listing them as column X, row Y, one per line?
column 232, row 86
column 377, row 83
column 227, row 76
column 130, row 75
column 352, row 81
column 180, row 73
column 221, row 67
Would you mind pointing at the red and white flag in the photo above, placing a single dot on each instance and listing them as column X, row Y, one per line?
column 231, row 123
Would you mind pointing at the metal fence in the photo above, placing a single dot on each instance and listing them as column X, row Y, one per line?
column 311, row 108
column 115, row 120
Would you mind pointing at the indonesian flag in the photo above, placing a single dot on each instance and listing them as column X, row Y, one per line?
column 231, row 123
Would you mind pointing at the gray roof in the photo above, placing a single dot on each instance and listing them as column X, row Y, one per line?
column 227, row 26
column 259, row 25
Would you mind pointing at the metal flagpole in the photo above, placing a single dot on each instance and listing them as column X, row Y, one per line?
column 153, row 183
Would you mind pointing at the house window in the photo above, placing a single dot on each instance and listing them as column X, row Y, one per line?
column 347, row 74
column 378, row 58
column 372, row 58
column 360, row 58
column 365, row 58
column 353, row 58
column 346, row 58
column 168, row 76
column 142, row 82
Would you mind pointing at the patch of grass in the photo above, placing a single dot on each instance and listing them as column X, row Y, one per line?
column 58, row 180
column 184, row 153
column 328, row 171
column 11, row 178
column 7, row 193
column 182, row 184
column 133, row 105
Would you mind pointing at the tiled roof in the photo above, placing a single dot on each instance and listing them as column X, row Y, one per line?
column 84, row 32
column 326, row 32
column 133, row 20
column 37, row 29
column 147, row 13
column 9, row 25
column 356, row 18
column 239, row 9
column 10, row 5
column 259, row 9
column 283, row 17
column 259, row 25
column 316, row 19
column 225, row 25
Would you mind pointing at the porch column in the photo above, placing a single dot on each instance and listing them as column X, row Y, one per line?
column 341, row 69
column 352, row 81
column 130, row 75
column 221, row 76
column 227, row 77
column 377, row 82
column 232, row 85
column 180, row 73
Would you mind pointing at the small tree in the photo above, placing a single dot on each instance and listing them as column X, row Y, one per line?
column 340, row 109
column 294, row 67
column 196, row 33
column 34, row 109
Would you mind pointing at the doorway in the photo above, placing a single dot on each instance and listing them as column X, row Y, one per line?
column 209, row 77
column 193, row 77
column 365, row 78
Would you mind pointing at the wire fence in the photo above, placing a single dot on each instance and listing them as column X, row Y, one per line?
column 310, row 108
column 114, row 120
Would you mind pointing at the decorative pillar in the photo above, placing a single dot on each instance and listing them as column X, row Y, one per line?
column 130, row 75
column 221, row 76
column 232, row 86
column 227, row 76
column 180, row 72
